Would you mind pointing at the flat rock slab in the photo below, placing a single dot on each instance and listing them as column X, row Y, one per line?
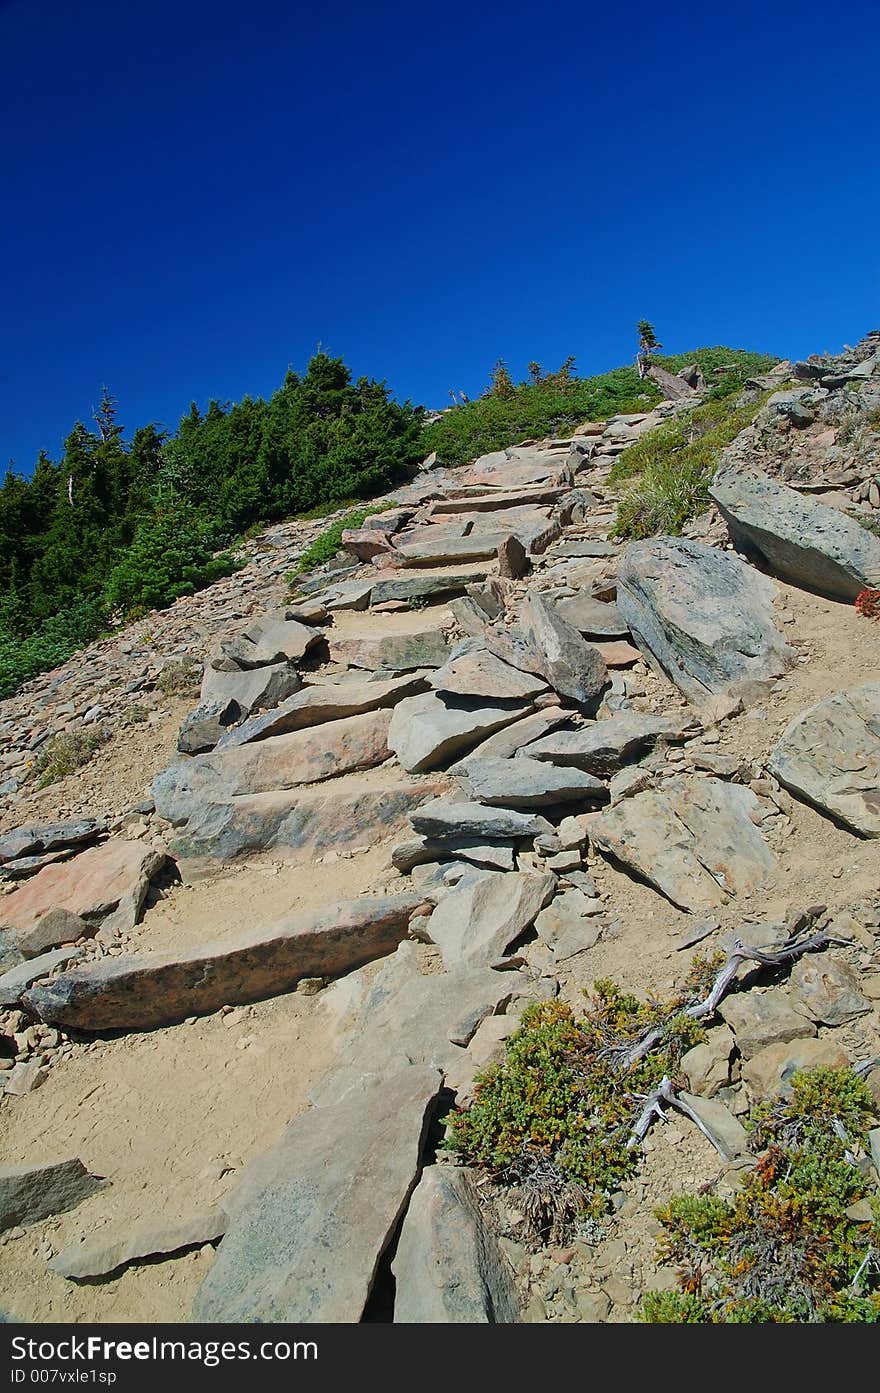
column 299, row 823
column 475, row 924
column 702, row 616
column 496, row 499
column 769, row 1072
column 586, row 547
column 528, row 783
column 393, row 653
column 571, row 666
column 420, row 851
column 827, row 989
column 726, row 1132
column 596, row 618
column 118, row 1245
column 33, row 840
column 797, row 538
column 31, row 1192
column 52, row 930
column 411, row 588
column 314, row 1215
column 91, row 885
column 428, row 730
column 830, row 756
column 521, row 733
column 15, row 982
column 605, row 746
column 448, row 1266
column 447, row 551
column 141, row 990
column 472, row 670
column 439, row 818
column 759, row 1019
column 694, row 841
column 399, row 1014
column 317, row 704
column 279, row 762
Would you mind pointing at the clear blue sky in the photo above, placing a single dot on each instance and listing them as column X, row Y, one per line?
column 196, row 194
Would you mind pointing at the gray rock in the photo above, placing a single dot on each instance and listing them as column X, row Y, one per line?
column 258, row 689
column 441, row 819
column 32, row 840
column 53, row 930
column 568, row 925
column 15, row 982
column 827, row 989
column 272, row 639
column 121, row 1244
column 596, row 618
column 572, row 667
column 513, row 561
column 141, row 990
column 417, row 851
column 694, row 840
column 603, row 746
column 400, row 1014
column 707, row 1066
column 759, row 1019
column 726, row 1132
column 796, row 537
column 203, row 727
column 703, row 616
column 474, row 925
column 448, row 1266
column 31, row 1192
column 393, row 652
column 506, row 742
column 430, row 729
column 528, row 783
column 313, row 1216
column 769, row 1072
column 301, row 823
column 280, row 762
column 316, row 704
column 421, row 587
column 472, row 670
column 829, row 756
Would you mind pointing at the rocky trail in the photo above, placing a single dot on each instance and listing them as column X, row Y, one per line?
column 277, row 924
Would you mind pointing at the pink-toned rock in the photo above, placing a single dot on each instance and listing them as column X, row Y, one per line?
column 618, row 654
column 365, row 542
column 92, row 885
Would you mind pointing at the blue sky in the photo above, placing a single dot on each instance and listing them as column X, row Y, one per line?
column 198, row 194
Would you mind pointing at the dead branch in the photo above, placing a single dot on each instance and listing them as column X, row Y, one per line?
column 624, row 1058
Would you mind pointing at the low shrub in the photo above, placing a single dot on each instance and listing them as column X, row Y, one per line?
column 325, row 546
column 66, row 752
column 787, row 1248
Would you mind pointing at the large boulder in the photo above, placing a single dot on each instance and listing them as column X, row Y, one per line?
column 449, row 1267
column 254, row 689
column 475, row 924
column 694, row 840
column 829, row 755
column 473, row 670
column 796, row 537
column 572, row 667
column 141, row 990
column 272, row 639
column 430, row 729
column 313, row 1216
column 702, row 616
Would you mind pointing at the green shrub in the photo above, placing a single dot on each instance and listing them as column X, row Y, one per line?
column 557, row 402
column 672, row 466
column 784, row 1250
column 173, row 553
column 325, row 546
column 553, row 1120
column 48, row 644
column 64, row 753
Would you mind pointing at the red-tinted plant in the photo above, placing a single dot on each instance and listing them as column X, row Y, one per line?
column 868, row 603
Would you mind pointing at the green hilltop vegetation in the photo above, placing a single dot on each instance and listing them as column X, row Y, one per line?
column 118, row 527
